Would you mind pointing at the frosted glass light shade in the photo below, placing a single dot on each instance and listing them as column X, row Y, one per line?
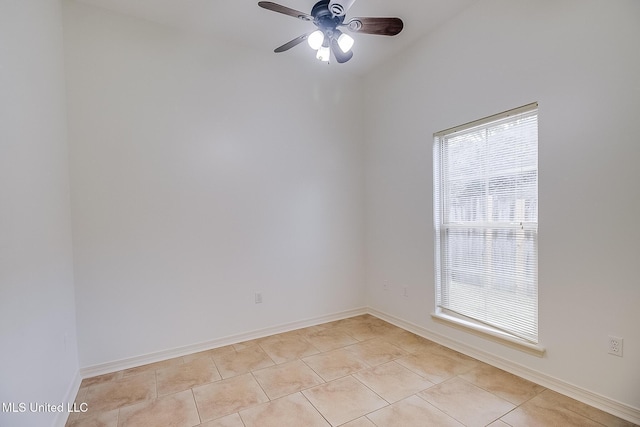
column 316, row 39
column 345, row 42
column 323, row 53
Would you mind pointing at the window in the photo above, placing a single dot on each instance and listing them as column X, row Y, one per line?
column 486, row 223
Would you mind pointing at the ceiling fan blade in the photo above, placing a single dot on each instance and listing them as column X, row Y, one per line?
column 292, row 43
column 378, row 26
column 285, row 10
column 340, row 56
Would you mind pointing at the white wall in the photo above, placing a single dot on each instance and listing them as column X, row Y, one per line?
column 38, row 351
column 202, row 173
column 580, row 60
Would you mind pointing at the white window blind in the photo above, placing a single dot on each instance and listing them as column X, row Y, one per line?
column 486, row 219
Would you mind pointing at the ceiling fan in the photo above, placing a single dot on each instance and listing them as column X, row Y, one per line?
column 329, row 16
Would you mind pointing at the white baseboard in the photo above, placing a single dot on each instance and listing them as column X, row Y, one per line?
column 132, row 362
column 603, row 403
column 70, row 397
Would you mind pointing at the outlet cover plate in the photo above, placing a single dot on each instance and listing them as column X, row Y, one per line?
column 615, row 345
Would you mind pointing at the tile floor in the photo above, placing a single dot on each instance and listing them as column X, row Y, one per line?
column 356, row 372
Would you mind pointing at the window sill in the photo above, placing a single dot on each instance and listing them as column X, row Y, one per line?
column 489, row 332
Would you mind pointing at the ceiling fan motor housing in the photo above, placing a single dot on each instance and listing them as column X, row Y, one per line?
column 324, row 19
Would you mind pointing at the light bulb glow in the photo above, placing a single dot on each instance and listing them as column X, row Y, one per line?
column 323, row 53
column 316, row 39
column 345, row 42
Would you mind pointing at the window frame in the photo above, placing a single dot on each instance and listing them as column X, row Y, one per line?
column 440, row 230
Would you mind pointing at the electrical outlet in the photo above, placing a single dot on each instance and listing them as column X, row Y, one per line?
column 405, row 291
column 615, row 345
column 258, row 298
column 385, row 285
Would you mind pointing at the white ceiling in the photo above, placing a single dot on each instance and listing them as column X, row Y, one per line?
column 242, row 22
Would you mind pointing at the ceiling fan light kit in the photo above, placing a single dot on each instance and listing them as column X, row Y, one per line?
column 328, row 15
column 323, row 54
column 316, row 39
column 345, row 41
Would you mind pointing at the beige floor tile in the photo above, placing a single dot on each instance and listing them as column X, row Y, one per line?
column 360, row 422
column 335, row 364
column 350, row 320
column 241, row 361
column 503, row 384
column 174, row 410
column 208, row 353
column 339, row 325
column 313, row 329
column 376, row 351
column 182, row 377
column 586, row 410
column 152, row 366
column 290, row 411
column 365, row 319
column 542, row 411
column 101, row 419
column 225, row 397
column 372, row 318
column 392, row 381
column 608, row 419
column 296, row 334
column 287, row 378
column 81, row 396
column 363, row 357
column 552, row 399
column 498, row 423
column 411, row 412
column 343, row 400
column 286, row 348
column 424, row 345
column 467, row 403
column 101, row 379
column 245, row 344
column 438, row 366
column 408, row 341
column 329, row 339
column 79, row 400
column 366, row 330
column 232, row 420
column 119, row 393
